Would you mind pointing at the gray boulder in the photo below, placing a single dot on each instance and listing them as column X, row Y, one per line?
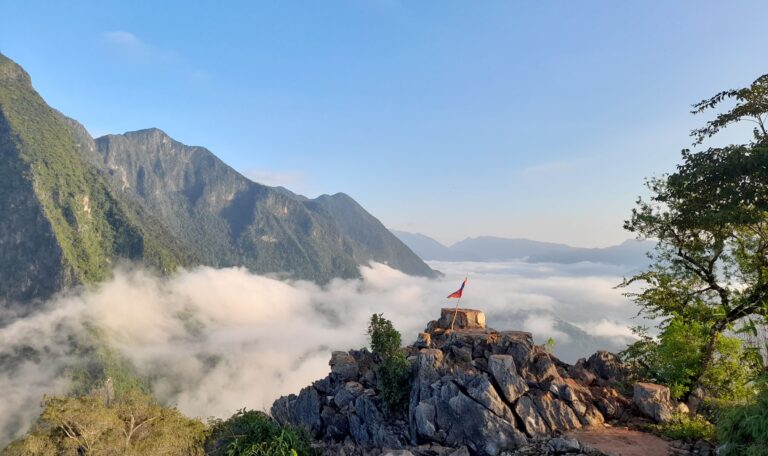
column 343, row 366
column 533, row 422
column 562, row 445
column 504, row 372
column 653, row 401
column 606, row 365
column 558, row 415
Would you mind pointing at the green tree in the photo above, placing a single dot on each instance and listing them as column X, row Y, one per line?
column 133, row 424
column 385, row 339
column 710, row 218
column 751, row 106
column 394, row 371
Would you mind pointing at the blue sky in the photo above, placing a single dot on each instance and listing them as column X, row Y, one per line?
column 450, row 118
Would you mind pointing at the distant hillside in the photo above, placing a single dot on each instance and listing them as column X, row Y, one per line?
column 62, row 224
column 630, row 253
column 73, row 206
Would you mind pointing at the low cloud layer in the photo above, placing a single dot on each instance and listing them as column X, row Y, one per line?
column 216, row 340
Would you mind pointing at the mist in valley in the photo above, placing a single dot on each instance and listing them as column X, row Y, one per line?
column 211, row 341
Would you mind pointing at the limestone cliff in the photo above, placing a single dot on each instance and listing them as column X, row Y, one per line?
column 474, row 390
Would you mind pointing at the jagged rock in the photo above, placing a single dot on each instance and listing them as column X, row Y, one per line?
column 343, row 366
column 424, row 340
column 610, row 402
column 479, row 388
column 583, row 375
column 337, row 424
column 307, row 411
column 424, row 416
column 348, row 394
column 558, row 415
column 533, row 422
column 504, row 372
column 474, row 387
column 545, row 370
column 606, row 365
column 518, row 344
column 467, row 422
column 653, row 401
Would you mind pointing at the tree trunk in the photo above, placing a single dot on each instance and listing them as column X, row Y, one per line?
column 709, row 352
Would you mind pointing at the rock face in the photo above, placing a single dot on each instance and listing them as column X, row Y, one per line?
column 475, row 388
column 606, row 365
column 653, row 401
column 62, row 223
column 228, row 220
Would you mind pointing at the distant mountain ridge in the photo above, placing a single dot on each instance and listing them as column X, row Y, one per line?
column 631, row 253
column 73, row 206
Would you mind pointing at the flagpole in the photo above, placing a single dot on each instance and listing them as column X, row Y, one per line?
column 456, row 311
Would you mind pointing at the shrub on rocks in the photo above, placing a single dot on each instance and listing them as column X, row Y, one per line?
column 253, row 433
column 394, row 372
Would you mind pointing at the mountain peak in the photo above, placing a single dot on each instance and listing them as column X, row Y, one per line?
column 152, row 132
column 12, row 71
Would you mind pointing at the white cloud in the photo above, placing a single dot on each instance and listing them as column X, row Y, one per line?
column 544, row 327
column 124, row 39
column 130, row 47
column 606, row 328
column 246, row 339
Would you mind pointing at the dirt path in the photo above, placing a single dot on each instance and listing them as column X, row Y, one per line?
column 624, row 442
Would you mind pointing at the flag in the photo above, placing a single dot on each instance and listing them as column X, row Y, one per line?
column 459, row 292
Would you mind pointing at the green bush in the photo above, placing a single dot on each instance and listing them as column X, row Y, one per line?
column 395, row 379
column 683, row 427
column 743, row 429
column 253, row 433
column 674, row 359
column 394, row 371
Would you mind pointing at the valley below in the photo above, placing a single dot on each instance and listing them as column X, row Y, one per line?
column 212, row 341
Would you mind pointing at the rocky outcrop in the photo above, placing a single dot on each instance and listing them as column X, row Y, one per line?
column 472, row 387
column 606, row 365
column 653, row 401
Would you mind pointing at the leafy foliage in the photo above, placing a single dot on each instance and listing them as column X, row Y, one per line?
column 91, row 225
column 711, row 265
column 253, row 433
column 385, row 339
column 743, row 429
column 103, row 363
column 395, row 379
column 130, row 425
column 674, row 359
column 684, row 427
column 395, row 371
column 751, row 105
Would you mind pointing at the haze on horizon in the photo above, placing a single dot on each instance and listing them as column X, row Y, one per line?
column 443, row 118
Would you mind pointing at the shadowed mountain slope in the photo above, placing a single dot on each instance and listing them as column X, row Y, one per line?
column 74, row 206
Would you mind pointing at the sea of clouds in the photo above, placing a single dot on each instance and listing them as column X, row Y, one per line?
column 217, row 340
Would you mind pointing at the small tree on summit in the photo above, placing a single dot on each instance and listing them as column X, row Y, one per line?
column 394, row 372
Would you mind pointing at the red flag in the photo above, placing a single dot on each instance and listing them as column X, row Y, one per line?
column 459, row 292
